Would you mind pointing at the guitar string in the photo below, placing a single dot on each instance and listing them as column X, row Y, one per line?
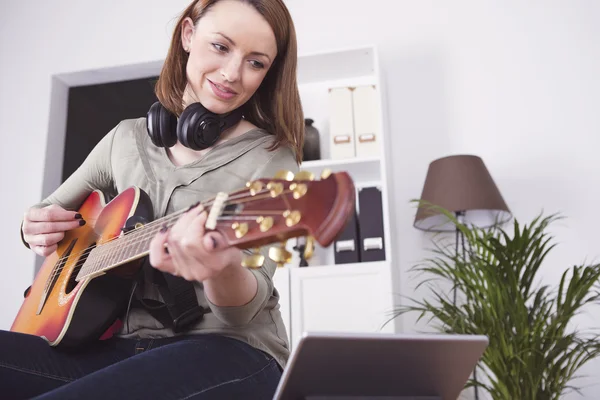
column 88, row 250
column 160, row 221
column 165, row 220
column 222, row 221
column 149, row 229
column 144, row 233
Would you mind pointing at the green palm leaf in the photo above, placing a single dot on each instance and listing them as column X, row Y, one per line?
column 532, row 353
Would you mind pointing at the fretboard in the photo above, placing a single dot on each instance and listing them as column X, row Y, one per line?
column 128, row 247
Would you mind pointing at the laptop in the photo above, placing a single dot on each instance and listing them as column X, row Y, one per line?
column 382, row 366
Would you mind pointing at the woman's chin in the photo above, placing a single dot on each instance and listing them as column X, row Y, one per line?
column 218, row 106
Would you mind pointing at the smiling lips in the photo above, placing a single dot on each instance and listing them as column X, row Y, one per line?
column 221, row 91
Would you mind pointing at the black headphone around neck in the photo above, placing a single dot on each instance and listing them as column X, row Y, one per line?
column 197, row 127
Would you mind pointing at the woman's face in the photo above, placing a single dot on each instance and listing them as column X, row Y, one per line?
column 231, row 49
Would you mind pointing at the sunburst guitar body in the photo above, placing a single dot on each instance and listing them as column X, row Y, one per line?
column 81, row 290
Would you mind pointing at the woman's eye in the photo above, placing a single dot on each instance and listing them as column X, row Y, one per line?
column 257, row 64
column 219, row 47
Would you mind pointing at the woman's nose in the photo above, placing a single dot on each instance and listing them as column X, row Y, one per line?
column 231, row 70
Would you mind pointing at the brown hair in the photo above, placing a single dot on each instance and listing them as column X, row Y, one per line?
column 276, row 105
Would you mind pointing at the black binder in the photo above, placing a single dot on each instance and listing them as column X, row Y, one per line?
column 346, row 249
column 370, row 224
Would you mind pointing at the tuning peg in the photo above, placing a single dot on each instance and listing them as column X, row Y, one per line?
column 254, row 261
column 280, row 255
column 265, row 223
column 326, row 173
column 255, row 187
column 285, row 175
column 240, row 229
column 304, row 176
column 292, row 217
column 310, row 248
column 299, row 189
column 276, row 188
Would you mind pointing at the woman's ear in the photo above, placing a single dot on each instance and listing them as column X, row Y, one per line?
column 187, row 32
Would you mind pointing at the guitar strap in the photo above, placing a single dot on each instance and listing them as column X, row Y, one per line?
column 180, row 309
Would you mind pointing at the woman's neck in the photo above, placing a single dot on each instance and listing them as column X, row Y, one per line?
column 181, row 155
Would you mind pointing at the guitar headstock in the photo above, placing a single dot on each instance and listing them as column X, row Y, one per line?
column 285, row 206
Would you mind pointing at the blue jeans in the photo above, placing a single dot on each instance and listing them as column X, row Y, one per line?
column 192, row 367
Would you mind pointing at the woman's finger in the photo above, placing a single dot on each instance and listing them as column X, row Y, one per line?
column 44, row 251
column 195, row 230
column 182, row 224
column 51, row 213
column 213, row 241
column 49, row 239
column 159, row 254
column 37, row 228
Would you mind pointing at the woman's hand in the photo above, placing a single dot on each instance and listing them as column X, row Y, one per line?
column 186, row 250
column 44, row 227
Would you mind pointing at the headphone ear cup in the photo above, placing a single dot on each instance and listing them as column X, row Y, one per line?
column 198, row 128
column 232, row 118
column 161, row 125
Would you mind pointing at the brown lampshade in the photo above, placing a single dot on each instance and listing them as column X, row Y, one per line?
column 460, row 184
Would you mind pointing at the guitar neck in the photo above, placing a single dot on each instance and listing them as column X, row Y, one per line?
column 123, row 249
column 265, row 212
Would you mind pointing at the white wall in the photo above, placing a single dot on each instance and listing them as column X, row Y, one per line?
column 514, row 82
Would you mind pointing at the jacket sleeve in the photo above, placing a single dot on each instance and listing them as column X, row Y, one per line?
column 241, row 315
column 95, row 173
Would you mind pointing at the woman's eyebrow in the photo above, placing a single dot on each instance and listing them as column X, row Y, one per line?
column 258, row 53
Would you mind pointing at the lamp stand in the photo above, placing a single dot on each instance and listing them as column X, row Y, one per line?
column 460, row 239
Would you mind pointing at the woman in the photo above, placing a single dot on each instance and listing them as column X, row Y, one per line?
column 228, row 57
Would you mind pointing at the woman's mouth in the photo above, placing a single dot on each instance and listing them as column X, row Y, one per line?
column 221, row 91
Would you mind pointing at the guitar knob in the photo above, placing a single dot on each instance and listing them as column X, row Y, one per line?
column 310, row 247
column 240, row 229
column 292, row 217
column 276, row 188
column 326, row 173
column 280, row 255
column 254, row 261
column 304, row 176
column 265, row 223
column 285, row 175
column 255, row 187
column 299, row 189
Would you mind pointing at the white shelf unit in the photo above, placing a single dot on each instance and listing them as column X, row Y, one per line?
column 343, row 297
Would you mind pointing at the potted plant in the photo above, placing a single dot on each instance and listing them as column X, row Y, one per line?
column 534, row 350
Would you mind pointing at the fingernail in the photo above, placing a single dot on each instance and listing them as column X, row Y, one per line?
column 78, row 216
column 82, row 222
column 164, row 228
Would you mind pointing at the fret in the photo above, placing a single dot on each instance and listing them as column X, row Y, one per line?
column 90, row 263
column 137, row 246
column 140, row 245
column 145, row 242
column 129, row 244
column 117, row 250
column 112, row 255
column 124, row 251
column 92, row 260
column 120, row 249
column 105, row 252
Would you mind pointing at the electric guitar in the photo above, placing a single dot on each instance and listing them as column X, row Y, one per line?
column 81, row 289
